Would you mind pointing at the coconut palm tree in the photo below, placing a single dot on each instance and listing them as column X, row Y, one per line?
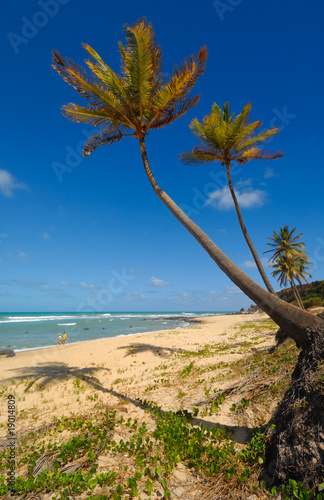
column 289, row 260
column 142, row 99
column 286, row 243
column 225, row 139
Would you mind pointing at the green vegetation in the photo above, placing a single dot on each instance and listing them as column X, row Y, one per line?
column 151, row 456
column 312, row 294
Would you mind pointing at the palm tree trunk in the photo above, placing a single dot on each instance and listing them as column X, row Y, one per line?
column 297, row 324
column 297, row 295
column 245, row 234
column 301, row 300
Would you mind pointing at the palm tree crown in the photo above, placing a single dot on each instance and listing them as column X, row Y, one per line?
column 289, row 269
column 226, row 138
column 138, row 100
column 289, row 259
column 286, row 243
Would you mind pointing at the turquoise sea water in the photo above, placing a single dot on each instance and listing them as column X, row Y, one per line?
column 24, row 331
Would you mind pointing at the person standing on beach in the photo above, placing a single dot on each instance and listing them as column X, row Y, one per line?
column 64, row 338
column 59, row 339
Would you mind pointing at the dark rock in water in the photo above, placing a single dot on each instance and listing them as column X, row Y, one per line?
column 9, row 345
column 86, row 328
column 180, row 319
column 9, row 353
column 130, row 326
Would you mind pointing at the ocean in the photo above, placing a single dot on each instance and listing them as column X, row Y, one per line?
column 25, row 331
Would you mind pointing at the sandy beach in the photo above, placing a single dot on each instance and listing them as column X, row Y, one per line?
column 71, row 379
column 182, row 369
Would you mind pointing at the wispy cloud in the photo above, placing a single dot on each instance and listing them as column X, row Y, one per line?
column 247, row 198
column 22, row 256
column 45, row 236
column 82, row 284
column 249, row 264
column 158, row 282
column 65, row 283
column 233, row 290
column 135, row 297
column 8, row 184
column 41, row 285
column 28, row 283
column 269, row 173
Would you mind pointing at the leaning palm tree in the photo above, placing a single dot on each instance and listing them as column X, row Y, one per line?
column 140, row 99
column 290, row 260
column 227, row 139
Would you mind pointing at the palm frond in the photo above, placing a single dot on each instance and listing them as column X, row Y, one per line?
column 168, row 97
column 90, row 90
column 95, row 116
column 258, row 154
column 104, row 137
column 112, row 82
column 170, row 115
column 199, row 156
column 142, row 62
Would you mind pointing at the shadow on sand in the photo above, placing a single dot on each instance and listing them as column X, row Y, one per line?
column 164, row 352
column 59, row 372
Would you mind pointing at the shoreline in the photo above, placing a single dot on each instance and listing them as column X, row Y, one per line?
column 193, row 320
column 72, row 379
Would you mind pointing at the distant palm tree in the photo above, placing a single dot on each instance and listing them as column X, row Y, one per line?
column 226, row 139
column 289, row 260
column 286, row 243
column 142, row 99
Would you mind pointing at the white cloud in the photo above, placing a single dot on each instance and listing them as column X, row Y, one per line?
column 269, row 173
column 244, row 183
column 65, row 283
column 249, row 264
column 222, row 199
column 22, row 256
column 8, row 184
column 45, row 236
column 233, row 290
column 82, row 284
column 135, row 297
column 265, row 261
column 158, row 282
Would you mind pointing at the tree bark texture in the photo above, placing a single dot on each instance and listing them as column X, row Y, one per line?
column 295, row 447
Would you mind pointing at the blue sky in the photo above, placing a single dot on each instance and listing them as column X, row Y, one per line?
column 89, row 234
